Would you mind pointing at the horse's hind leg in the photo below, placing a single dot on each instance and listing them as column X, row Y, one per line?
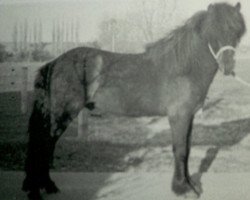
column 181, row 125
column 44, row 133
column 40, row 145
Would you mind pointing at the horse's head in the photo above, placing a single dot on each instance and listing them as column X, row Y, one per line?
column 223, row 28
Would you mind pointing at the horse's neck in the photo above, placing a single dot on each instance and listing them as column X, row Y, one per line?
column 199, row 66
column 205, row 69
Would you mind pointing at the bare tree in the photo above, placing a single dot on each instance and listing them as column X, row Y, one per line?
column 67, row 27
column 153, row 19
column 109, row 30
column 67, row 30
column 25, row 35
column 65, row 35
column 40, row 32
column 35, row 36
column 114, row 30
column 54, row 37
column 58, row 37
column 21, row 36
column 15, row 38
column 62, row 36
column 129, row 34
column 72, row 29
column 117, row 35
column 30, row 32
column 77, row 29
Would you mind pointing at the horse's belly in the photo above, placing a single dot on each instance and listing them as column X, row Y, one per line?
column 128, row 102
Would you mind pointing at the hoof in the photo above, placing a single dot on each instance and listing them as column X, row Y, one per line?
column 51, row 188
column 186, row 189
column 196, row 186
column 35, row 195
column 25, row 186
column 29, row 186
column 191, row 195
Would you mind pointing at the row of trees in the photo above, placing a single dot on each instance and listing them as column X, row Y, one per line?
column 3, row 53
column 65, row 35
column 28, row 43
column 127, row 34
column 130, row 33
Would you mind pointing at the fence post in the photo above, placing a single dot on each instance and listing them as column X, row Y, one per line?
column 82, row 123
column 24, row 90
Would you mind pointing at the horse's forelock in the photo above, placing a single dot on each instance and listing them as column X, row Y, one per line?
column 224, row 22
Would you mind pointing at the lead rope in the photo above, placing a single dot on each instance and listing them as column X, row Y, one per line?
column 216, row 57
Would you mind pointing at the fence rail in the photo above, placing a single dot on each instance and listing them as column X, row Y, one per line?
column 14, row 75
column 19, row 77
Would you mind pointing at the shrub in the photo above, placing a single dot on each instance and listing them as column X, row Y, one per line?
column 3, row 53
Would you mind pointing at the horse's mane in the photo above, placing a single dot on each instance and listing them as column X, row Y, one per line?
column 179, row 34
column 181, row 43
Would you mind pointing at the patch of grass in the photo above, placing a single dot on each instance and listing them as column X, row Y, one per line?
column 108, row 156
column 12, row 155
column 72, row 156
column 92, row 156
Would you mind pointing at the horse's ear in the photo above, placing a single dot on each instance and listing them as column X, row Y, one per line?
column 238, row 6
column 210, row 7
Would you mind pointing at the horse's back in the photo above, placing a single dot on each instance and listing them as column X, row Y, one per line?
column 130, row 84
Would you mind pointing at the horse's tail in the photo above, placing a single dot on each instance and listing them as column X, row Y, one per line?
column 41, row 109
column 39, row 153
column 43, row 78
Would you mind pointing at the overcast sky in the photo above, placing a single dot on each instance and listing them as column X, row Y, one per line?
column 89, row 12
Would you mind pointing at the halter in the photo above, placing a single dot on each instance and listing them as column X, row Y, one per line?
column 221, row 50
column 216, row 57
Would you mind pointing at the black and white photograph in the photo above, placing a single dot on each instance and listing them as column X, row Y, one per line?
column 124, row 99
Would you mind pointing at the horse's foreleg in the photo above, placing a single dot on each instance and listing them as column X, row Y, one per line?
column 181, row 125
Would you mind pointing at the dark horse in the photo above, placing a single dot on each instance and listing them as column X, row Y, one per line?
column 171, row 77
